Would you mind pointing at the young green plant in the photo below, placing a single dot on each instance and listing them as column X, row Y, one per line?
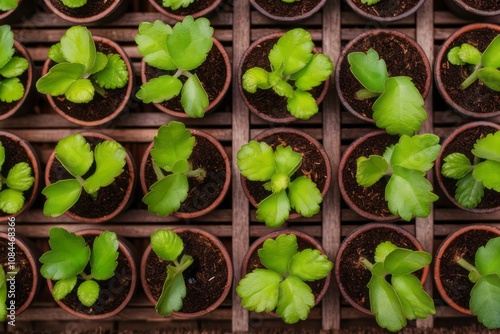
column 399, row 105
column 485, row 295
column 180, row 51
column 6, row 5
column 370, row 2
column 281, row 286
column 76, row 156
column 176, row 4
column 68, row 257
column 408, row 193
column 486, row 64
column 81, row 70
column 172, row 148
column 74, row 3
column 403, row 298
column 11, row 67
column 473, row 177
column 257, row 161
column 295, row 70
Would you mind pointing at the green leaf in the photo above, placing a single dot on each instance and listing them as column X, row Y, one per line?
column 68, row 256
column 310, row 265
column 287, row 160
column 2, row 283
column 114, row 75
column 2, row 156
column 59, row 78
column 469, row 54
column 296, row 300
column 256, row 161
column 305, row 196
column 490, row 77
column 172, row 143
column 75, row 155
column 3, row 306
column 180, row 167
column 167, row 195
column 159, row 89
column 194, row 98
column 275, row 254
column 279, row 182
column 370, row 170
column 368, row 69
column 19, row 177
column 403, row 261
column 80, row 91
column 487, row 147
column 74, row 3
column 63, row 287
column 152, row 44
column 302, row 105
column 418, row 152
column 456, row 166
column 314, row 73
column 11, row 90
column 174, row 289
column 7, row 5
column 6, row 44
column 490, row 55
column 488, row 172
column 254, row 78
column 55, row 53
column 11, row 201
column 259, row 290
column 167, row 244
column 487, row 260
column 280, row 86
column 292, row 51
column 14, row 67
column 101, row 61
column 383, row 249
column 88, row 293
column 469, row 192
column 399, row 109
column 370, row 2
column 176, row 4
column 415, row 301
column 485, row 301
column 103, row 260
column 274, row 209
column 61, row 196
column 78, row 47
column 453, row 56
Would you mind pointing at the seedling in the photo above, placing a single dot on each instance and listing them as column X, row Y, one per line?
column 370, row 2
column 257, row 161
column 403, row 298
column 485, row 295
column 399, row 105
column 172, row 148
column 408, row 193
column 11, row 67
column 486, row 64
column 6, row 5
column 292, row 59
column 74, row 153
column 176, row 4
column 474, row 177
column 68, row 257
column 74, row 3
column 18, row 180
column 281, row 286
column 81, row 70
column 181, row 50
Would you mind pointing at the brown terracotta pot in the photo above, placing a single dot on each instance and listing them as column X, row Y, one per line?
column 454, row 286
column 384, row 11
column 212, row 176
column 462, row 9
column 128, row 190
column 448, row 77
column 128, row 250
column 112, row 12
column 469, row 132
column 369, row 236
column 301, row 13
column 21, row 13
column 192, row 9
column 123, row 103
column 33, row 161
column 221, row 249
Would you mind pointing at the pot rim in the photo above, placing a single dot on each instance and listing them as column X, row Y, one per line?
column 474, row 11
column 85, row 20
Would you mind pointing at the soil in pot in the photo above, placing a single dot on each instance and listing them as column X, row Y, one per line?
column 386, row 8
column 484, row 5
column 196, row 7
column 92, row 8
column 287, row 10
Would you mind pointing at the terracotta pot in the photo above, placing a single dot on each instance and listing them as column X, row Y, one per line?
column 114, row 11
column 21, row 13
column 454, row 286
column 312, row 154
column 448, row 77
column 301, row 13
column 213, row 179
column 283, row 115
column 386, row 43
column 114, row 287
column 462, row 9
column 32, row 160
column 469, row 132
column 88, row 106
column 368, row 236
column 188, row 234
column 214, row 101
column 128, row 189
column 384, row 11
column 193, row 10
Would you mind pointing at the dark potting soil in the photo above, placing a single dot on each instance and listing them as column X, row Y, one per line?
column 454, row 278
column 477, row 97
column 464, row 144
column 353, row 275
column 6, row 107
column 91, row 8
column 205, row 279
column 283, row 9
column 195, row 7
column 387, row 8
column 100, row 106
column 108, row 198
column 370, row 199
column 201, row 193
column 14, row 154
column 267, row 101
column 486, row 5
column 401, row 58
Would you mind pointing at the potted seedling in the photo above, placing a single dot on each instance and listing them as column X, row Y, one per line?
column 87, row 11
column 87, row 79
column 292, row 72
column 174, row 69
column 179, row 9
column 288, row 10
column 385, row 11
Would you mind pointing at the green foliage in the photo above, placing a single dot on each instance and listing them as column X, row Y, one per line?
column 74, row 3
column 258, row 162
column 81, row 70
column 6, row 5
column 370, row 2
column 485, row 65
column 408, row 193
column 176, row 4
column 3, row 295
column 292, row 59
column 182, row 49
column 11, row 67
column 74, row 153
column 68, row 257
column 281, row 287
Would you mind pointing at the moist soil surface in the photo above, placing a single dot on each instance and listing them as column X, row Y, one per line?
column 5, row 107
column 100, row 107
column 486, row 5
column 464, row 143
column 266, row 101
column 287, row 10
column 195, row 7
column 370, row 199
column 202, row 193
column 386, row 8
column 454, row 278
column 477, row 97
column 205, row 279
column 401, row 58
column 90, row 9
column 108, row 198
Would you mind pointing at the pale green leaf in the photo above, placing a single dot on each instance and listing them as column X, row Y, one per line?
column 74, row 3
column 167, row 244
column 280, row 86
column 114, row 74
column 2, row 283
column 63, row 287
column 6, row 5
column 370, row 170
column 370, row 2
column 3, row 306
column 368, row 69
column 174, row 288
column 11, row 201
column 317, row 71
column 75, row 155
column 279, row 182
column 469, row 192
column 296, row 300
column 103, row 260
column 488, row 147
column 19, row 177
column 310, row 265
column 488, row 172
column 259, row 290
column 180, row 167
column 88, row 293
column 456, row 166
column 78, row 47
column 254, row 78
column 403, row 261
column 176, row 4
column 2, row 156
column 55, row 53
column 490, row 77
column 159, row 89
column 61, row 196
column 100, row 63
column 11, row 90
column 194, row 98
column 453, row 56
column 152, row 44
column 417, row 152
column 490, row 56
column 167, row 195
column 6, row 44
column 485, row 301
column 469, row 54
column 15, row 67
column 59, row 78
column 172, row 143
column 80, row 91
column 302, row 105
column 274, row 209
column 256, row 161
column 305, row 196
column 487, row 260
column 287, row 160
column 292, row 52
column 383, row 249
column 415, row 302
column 275, row 254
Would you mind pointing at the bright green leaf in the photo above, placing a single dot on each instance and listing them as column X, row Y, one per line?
column 2, row 155
column 2, row 283
column 383, row 249
column 61, row 196
column 305, row 196
column 103, row 260
column 302, row 105
column 488, row 147
column 6, row 5
column 74, row 154
column 368, row 69
column 74, row 3
column 485, row 301
column 194, row 98
column 11, row 201
column 314, row 73
column 176, row 4
column 159, row 89
column 415, row 302
column 114, row 75
column 292, row 52
column 405, row 261
column 55, row 53
column 274, row 210
column 296, row 300
column 488, row 172
column 172, row 143
column 100, row 63
column 78, row 46
column 370, row 2
column 3, row 306
column 490, row 77
column 88, row 293
column 63, row 287
column 469, row 192
column 80, row 91
column 280, row 86
column 167, row 244
column 6, row 44
column 487, row 260
column 19, row 177
column 310, row 265
column 174, row 288
column 59, row 78
column 490, row 55
column 275, row 254
column 256, row 161
column 370, row 170
column 259, row 290
column 417, row 152
column 254, row 78
column 456, row 166
column 279, row 182
column 453, row 56
column 180, row 167
column 469, row 54
column 152, row 44
column 287, row 160
column 167, row 195
column 11, row 90
column 14, row 67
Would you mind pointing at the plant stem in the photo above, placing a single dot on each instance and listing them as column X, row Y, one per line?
column 367, row 264
column 158, row 172
column 199, row 174
column 473, row 77
column 85, row 276
column 466, row 265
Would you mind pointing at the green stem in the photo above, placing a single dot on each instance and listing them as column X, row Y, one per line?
column 85, row 276
column 158, row 172
column 473, row 77
column 367, row 264
column 466, row 265
column 80, row 179
column 199, row 174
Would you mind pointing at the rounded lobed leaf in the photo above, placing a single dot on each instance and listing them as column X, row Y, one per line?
column 80, row 91
column 488, row 173
column 416, row 303
column 160, row 89
column 176, row 4
column 295, row 300
column 256, row 161
column 453, row 56
column 485, row 301
column 275, row 254
column 292, row 52
column 405, row 261
column 456, row 166
column 254, row 78
column 6, row 44
column 19, row 177
column 490, row 55
column 55, row 53
column 103, row 260
column 59, row 78
column 417, row 152
column 100, row 63
column 11, row 90
column 2, row 156
column 259, row 290
column 78, row 47
column 15, row 67
column 279, row 182
column 490, row 77
column 274, row 210
column 468, row 54
column 88, row 292
column 469, row 192
column 487, row 147
column 114, row 74
column 74, row 3
column 194, row 98
column 486, row 259
column 166, row 195
column 305, row 196
column 302, row 105
column 173, row 292
column 167, row 244
column 74, row 154
column 370, row 170
column 310, row 265
column 61, row 196
column 63, row 287
column 172, row 143
column 369, row 70
column 383, row 249
column 7, row 5
column 317, row 71
column 152, row 44
column 11, row 201
column 287, row 160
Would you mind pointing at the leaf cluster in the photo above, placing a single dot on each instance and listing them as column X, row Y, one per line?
column 182, row 49
column 483, row 172
column 281, row 286
column 11, row 67
column 292, row 59
column 370, row 2
column 68, row 257
column 399, row 105
column 3, row 295
column 6, row 5
column 81, row 70
column 176, row 4
column 408, row 193
column 76, row 156
column 74, row 3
